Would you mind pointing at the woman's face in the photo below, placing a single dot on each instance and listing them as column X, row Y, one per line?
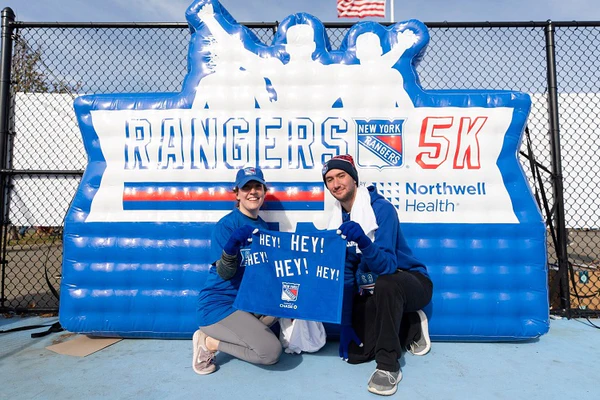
column 251, row 197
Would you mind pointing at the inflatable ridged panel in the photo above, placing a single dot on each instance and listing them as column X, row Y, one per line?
column 161, row 167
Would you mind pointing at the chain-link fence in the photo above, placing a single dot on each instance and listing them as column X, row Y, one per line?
column 557, row 63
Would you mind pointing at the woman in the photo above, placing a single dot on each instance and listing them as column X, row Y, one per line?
column 222, row 327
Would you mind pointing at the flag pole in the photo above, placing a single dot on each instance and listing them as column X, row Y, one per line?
column 392, row 11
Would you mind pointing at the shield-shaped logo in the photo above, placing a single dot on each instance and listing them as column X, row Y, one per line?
column 380, row 143
column 289, row 291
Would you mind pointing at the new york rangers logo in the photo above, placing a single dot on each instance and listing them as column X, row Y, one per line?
column 289, row 291
column 379, row 143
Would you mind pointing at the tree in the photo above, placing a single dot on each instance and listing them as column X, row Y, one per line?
column 29, row 73
column 26, row 75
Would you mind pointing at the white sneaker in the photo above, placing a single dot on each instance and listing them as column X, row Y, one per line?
column 202, row 363
column 384, row 382
column 422, row 344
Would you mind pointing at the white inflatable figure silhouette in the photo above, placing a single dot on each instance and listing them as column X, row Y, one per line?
column 374, row 82
column 297, row 84
column 300, row 83
column 228, row 87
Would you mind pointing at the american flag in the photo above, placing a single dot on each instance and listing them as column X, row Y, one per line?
column 360, row 8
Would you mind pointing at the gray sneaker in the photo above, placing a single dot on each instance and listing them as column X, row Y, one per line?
column 384, row 382
column 422, row 344
column 203, row 358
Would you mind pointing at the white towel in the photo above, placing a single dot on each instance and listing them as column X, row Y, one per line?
column 362, row 213
column 298, row 335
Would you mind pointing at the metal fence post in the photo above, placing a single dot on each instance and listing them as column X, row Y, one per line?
column 8, row 17
column 554, row 130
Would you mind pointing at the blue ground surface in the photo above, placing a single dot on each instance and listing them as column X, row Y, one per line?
column 565, row 363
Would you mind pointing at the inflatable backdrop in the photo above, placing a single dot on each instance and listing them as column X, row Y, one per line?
column 161, row 167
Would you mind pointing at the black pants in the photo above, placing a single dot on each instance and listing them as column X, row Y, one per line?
column 386, row 321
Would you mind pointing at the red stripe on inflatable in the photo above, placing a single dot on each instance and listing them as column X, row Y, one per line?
column 179, row 196
column 300, row 196
column 217, row 196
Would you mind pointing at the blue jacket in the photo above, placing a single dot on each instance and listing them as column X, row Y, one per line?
column 388, row 253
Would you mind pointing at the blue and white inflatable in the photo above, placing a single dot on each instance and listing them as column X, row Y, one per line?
column 161, row 165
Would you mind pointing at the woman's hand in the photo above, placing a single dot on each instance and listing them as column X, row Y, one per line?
column 239, row 238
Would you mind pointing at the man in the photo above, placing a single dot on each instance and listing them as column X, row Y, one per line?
column 385, row 286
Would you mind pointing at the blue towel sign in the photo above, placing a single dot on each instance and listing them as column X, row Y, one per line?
column 294, row 275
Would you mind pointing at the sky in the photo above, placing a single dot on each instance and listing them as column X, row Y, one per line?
column 325, row 10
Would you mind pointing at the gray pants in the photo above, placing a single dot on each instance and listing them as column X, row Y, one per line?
column 243, row 336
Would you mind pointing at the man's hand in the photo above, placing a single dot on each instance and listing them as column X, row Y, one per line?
column 352, row 231
column 347, row 335
column 239, row 238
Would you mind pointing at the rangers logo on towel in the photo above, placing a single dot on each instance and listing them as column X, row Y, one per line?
column 289, row 291
column 379, row 143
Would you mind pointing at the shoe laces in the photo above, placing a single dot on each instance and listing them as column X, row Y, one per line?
column 393, row 380
column 205, row 355
column 413, row 347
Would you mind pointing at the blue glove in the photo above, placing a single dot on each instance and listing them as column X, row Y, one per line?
column 352, row 231
column 347, row 335
column 238, row 239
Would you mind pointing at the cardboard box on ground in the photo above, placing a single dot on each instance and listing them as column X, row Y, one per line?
column 585, row 294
